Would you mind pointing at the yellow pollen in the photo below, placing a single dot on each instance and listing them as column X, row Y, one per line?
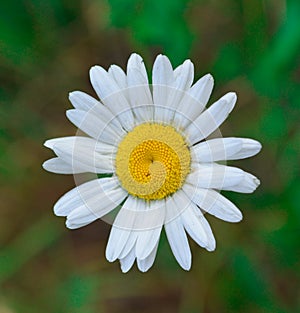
column 152, row 161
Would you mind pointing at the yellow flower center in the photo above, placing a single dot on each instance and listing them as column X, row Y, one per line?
column 152, row 161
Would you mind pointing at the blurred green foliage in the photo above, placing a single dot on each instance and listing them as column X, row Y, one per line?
column 160, row 24
column 47, row 47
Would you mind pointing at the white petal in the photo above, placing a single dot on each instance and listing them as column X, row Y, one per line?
column 130, row 244
column 138, row 89
column 136, row 78
column 148, row 220
column 180, row 203
column 194, row 101
column 99, row 127
column 136, row 62
column 202, row 89
column 95, row 206
column 50, row 143
column 150, row 228
column 105, row 148
column 221, row 177
column 215, row 176
column 146, row 242
column 103, row 83
column 101, row 147
column 216, row 149
column 81, row 216
column 112, row 96
column 57, row 165
column 131, row 241
column 104, row 191
column 169, row 88
column 140, row 98
column 211, row 119
column 118, row 75
column 145, row 264
column 183, row 79
column 134, row 205
column 194, row 227
column 163, row 85
column 213, row 203
column 211, row 246
column 190, row 219
column 142, row 236
column 184, row 75
column 249, row 148
column 194, row 221
column 247, row 185
column 177, row 239
column 116, row 243
column 119, row 236
column 225, row 149
column 141, row 216
column 77, row 224
column 82, row 154
column 144, row 113
column 162, row 73
column 83, row 101
column 127, row 261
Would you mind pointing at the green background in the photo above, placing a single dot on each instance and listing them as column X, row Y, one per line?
column 46, row 49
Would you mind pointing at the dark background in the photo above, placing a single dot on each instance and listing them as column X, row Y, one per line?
column 46, row 49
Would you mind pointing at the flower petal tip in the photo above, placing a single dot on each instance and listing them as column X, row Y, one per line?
column 58, row 211
column 110, row 258
column 259, row 146
column 135, row 57
column 211, row 248
column 73, row 94
column 162, row 58
column 49, row 144
column 231, row 97
column 95, row 71
column 256, row 182
column 49, row 166
column 124, row 270
column 186, row 267
column 44, row 165
column 69, row 225
column 209, row 76
column 125, row 267
column 238, row 217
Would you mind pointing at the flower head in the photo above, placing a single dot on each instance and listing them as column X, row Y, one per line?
column 154, row 161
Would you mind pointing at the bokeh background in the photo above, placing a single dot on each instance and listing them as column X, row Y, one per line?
column 46, row 49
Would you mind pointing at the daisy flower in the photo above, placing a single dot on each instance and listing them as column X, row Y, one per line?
column 153, row 162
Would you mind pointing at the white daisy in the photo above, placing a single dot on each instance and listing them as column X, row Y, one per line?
column 156, row 166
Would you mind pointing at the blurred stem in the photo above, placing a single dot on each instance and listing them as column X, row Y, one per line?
column 27, row 245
